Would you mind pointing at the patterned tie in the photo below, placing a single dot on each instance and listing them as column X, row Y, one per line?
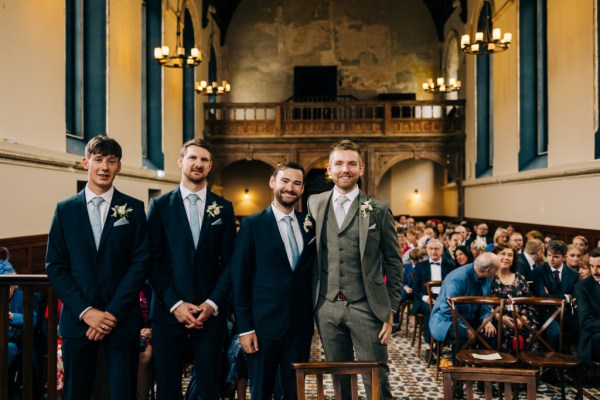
column 96, row 221
column 292, row 240
column 194, row 217
column 557, row 278
column 340, row 212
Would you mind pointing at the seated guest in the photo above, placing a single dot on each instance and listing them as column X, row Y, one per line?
column 587, row 293
column 462, row 256
column 584, row 267
column 581, row 242
column 500, row 236
column 477, row 247
column 468, row 280
column 407, row 279
column 516, row 241
column 553, row 279
column 533, row 234
column 481, row 233
column 531, row 257
column 434, row 269
column 573, row 256
column 508, row 283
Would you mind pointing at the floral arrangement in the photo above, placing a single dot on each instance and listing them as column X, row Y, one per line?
column 214, row 209
column 120, row 212
column 367, row 207
column 308, row 223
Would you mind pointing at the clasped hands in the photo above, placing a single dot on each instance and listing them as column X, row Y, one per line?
column 100, row 323
column 489, row 330
column 193, row 316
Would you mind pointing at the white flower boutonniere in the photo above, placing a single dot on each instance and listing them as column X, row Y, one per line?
column 214, row 209
column 307, row 224
column 121, row 211
column 368, row 206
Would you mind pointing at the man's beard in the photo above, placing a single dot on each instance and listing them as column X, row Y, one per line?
column 284, row 203
column 196, row 181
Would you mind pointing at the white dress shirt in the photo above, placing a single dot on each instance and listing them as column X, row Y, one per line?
column 104, row 206
column 351, row 196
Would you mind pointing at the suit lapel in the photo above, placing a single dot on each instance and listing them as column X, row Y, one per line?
column 363, row 224
column 181, row 216
column 320, row 216
column 117, row 200
column 273, row 231
column 206, row 219
column 85, row 216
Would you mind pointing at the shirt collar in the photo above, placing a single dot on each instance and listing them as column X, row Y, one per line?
column 201, row 193
column 558, row 269
column 279, row 215
column 107, row 196
column 529, row 259
column 351, row 196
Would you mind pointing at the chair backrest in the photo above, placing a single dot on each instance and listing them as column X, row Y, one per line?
column 508, row 376
column 430, row 294
column 555, row 309
column 496, row 307
column 337, row 370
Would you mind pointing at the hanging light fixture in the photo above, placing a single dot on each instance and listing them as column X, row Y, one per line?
column 487, row 40
column 178, row 59
column 213, row 88
column 440, row 86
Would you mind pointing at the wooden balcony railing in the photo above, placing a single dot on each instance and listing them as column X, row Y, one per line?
column 42, row 382
column 344, row 118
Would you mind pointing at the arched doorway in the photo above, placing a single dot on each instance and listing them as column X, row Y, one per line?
column 419, row 187
column 246, row 184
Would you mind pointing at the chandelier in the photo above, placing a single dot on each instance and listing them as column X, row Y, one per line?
column 488, row 40
column 215, row 88
column 440, row 86
column 178, row 59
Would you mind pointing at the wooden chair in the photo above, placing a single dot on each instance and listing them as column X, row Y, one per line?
column 549, row 358
column 466, row 355
column 405, row 307
column 508, row 376
column 434, row 344
column 337, row 370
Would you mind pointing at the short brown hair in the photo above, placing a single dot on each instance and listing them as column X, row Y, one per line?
column 104, row 146
column 286, row 165
column 196, row 142
column 348, row 145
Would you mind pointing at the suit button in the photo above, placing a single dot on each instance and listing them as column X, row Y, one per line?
column 341, row 262
column 341, row 249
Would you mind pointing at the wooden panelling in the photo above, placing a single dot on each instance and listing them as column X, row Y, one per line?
column 27, row 253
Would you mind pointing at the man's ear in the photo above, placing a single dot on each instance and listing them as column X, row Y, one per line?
column 84, row 163
column 272, row 182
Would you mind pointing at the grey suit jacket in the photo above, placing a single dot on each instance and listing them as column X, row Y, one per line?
column 379, row 252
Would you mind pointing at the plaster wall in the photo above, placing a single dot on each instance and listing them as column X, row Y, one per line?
column 388, row 48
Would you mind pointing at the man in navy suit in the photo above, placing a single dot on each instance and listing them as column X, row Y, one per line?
column 587, row 293
column 529, row 259
column 191, row 241
column 434, row 269
column 272, row 281
column 555, row 279
column 97, row 262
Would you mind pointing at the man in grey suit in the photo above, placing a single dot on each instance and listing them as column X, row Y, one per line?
column 356, row 246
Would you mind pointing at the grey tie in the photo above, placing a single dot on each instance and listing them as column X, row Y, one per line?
column 194, row 217
column 340, row 212
column 292, row 240
column 96, row 221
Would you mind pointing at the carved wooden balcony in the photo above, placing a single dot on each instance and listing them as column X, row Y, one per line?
column 373, row 119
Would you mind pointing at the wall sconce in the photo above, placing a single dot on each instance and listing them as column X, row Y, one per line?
column 416, row 195
column 246, row 195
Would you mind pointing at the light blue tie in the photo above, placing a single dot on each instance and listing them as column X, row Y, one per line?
column 194, row 218
column 292, row 239
column 96, row 221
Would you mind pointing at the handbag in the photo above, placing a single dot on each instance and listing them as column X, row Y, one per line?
column 521, row 343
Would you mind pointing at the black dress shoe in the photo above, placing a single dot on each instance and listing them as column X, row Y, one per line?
column 427, row 356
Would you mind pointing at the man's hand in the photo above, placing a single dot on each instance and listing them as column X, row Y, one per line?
column 508, row 322
column 206, row 310
column 386, row 330
column 101, row 321
column 94, row 336
column 249, row 342
column 489, row 330
column 186, row 315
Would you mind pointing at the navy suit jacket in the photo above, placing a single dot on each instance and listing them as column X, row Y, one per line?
column 587, row 293
column 179, row 271
column 523, row 267
column 108, row 278
column 543, row 278
column 421, row 275
column 268, row 295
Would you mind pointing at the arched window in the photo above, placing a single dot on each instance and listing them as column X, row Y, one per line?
column 189, row 94
column 451, row 62
column 85, row 72
column 533, row 88
column 152, row 152
column 485, row 133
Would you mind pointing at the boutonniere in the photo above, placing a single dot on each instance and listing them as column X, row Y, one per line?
column 121, row 211
column 214, row 209
column 368, row 206
column 308, row 223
